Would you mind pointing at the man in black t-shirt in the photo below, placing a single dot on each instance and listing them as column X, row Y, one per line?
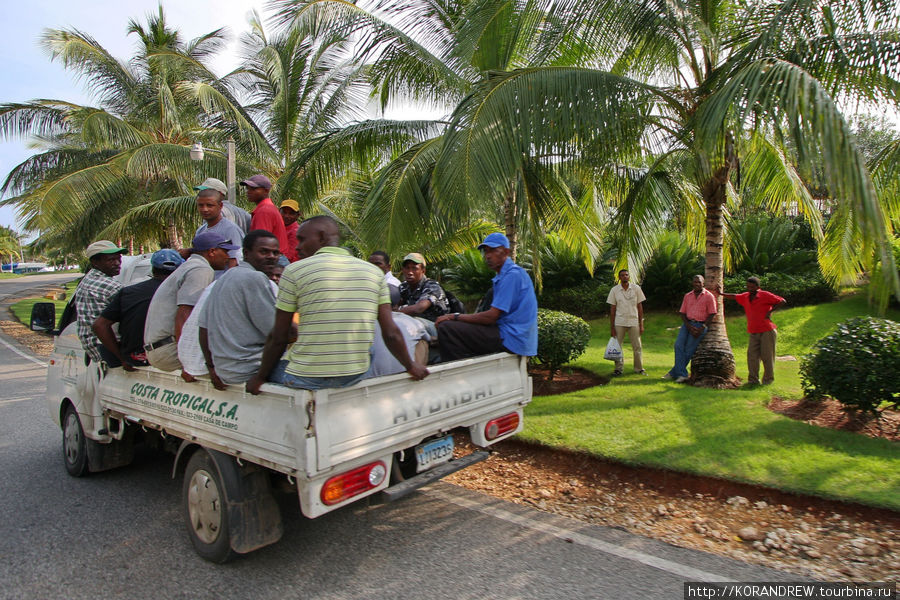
column 128, row 307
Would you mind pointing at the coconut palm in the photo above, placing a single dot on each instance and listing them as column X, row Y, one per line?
column 691, row 104
column 438, row 52
column 129, row 154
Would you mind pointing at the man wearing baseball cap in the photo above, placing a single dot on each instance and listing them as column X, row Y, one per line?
column 235, row 214
column 128, row 307
column 95, row 290
column 176, row 296
column 509, row 325
column 420, row 296
column 290, row 212
column 265, row 215
column 210, row 205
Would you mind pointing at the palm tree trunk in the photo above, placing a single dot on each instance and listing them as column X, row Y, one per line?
column 509, row 218
column 713, row 363
column 172, row 234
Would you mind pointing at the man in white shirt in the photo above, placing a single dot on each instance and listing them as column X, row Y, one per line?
column 626, row 315
column 380, row 259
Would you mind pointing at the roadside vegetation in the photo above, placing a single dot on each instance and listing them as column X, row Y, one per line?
column 721, row 433
column 22, row 309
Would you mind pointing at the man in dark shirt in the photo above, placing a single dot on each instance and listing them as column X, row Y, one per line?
column 128, row 307
column 420, row 296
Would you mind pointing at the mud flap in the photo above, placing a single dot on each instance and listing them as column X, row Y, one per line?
column 118, row 453
column 253, row 514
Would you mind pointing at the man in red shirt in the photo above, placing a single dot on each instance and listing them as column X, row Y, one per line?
column 759, row 304
column 290, row 212
column 697, row 311
column 265, row 215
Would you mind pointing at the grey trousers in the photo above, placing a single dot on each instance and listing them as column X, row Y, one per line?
column 634, row 337
column 761, row 346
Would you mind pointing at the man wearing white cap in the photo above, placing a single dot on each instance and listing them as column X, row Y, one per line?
column 235, row 214
column 175, row 298
column 509, row 325
column 95, row 290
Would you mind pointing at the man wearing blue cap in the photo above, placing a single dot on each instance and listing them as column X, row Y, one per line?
column 509, row 325
column 176, row 296
column 128, row 307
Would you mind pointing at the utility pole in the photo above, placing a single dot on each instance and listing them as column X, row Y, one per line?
column 230, row 170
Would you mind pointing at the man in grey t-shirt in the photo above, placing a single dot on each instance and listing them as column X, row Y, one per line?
column 175, row 298
column 233, row 213
column 240, row 312
column 209, row 205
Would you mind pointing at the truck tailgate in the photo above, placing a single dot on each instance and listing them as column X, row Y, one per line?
column 387, row 414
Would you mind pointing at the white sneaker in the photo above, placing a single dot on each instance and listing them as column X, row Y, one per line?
column 668, row 376
column 681, row 379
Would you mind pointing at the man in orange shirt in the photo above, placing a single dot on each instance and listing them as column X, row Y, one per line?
column 697, row 311
column 265, row 215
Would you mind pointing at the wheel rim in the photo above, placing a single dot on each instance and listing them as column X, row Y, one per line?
column 204, row 507
column 72, row 439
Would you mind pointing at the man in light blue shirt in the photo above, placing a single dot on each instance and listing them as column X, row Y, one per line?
column 509, row 325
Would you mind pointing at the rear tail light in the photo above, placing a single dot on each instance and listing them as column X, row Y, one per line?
column 352, row 483
column 501, row 426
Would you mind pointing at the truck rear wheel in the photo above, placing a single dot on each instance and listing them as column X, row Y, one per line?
column 206, row 509
column 74, row 444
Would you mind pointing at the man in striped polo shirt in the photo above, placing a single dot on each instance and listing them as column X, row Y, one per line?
column 338, row 298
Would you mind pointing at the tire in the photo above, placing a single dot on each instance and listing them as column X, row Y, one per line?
column 205, row 505
column 74, row 444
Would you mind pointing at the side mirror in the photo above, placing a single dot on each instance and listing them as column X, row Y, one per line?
column 43, row 316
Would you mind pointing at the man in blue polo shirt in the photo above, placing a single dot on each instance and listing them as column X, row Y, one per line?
column 509, row 325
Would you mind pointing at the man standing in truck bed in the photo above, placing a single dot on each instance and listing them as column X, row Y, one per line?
column 338, row 298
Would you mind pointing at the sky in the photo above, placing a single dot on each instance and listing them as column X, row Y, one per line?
column 27, row 72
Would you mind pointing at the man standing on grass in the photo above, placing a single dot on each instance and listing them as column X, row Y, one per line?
column 626, row 315
column 697, row 311
column 758, row 305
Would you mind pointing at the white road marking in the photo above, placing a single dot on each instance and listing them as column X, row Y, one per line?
column 14, row 400
column 22, row 354
column 684, row 571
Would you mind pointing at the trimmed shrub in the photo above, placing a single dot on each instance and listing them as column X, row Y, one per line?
column 561, row 338
column 586, row 300
column 858, row 365
column 797, row 290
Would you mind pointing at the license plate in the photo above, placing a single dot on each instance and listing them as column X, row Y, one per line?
column 433, row 453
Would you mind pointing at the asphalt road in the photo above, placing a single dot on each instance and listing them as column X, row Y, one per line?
column 120, row 534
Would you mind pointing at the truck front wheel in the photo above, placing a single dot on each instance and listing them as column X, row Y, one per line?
column 74, row 444
column 205, row 509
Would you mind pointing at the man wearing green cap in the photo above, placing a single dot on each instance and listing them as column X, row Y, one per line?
column 95, row 290
column 420, row 296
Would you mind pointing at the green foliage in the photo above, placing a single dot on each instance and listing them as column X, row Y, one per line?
column 587, row 299
column 858, row 365
column 561, row 338
column 797, row 290
column 668, row 274
column 561, row 265
column 467, row 274
column 762, row 244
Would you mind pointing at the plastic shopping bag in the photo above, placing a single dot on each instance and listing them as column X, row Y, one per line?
column 613, row 350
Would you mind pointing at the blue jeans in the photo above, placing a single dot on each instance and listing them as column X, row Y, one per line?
column 280, row 376
column 685, row 346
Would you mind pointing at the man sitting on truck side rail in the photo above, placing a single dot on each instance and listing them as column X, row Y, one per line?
column 338, row 298
column 95, row 290
column 240, row 313
column 420, row 296
column 128, row 307
column 233, row 213
column 175, row 298
column 509, row 325
column 209, row 205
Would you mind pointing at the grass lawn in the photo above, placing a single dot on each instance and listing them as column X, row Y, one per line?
column 8, row 275
column 22, row 309
column 722, row 433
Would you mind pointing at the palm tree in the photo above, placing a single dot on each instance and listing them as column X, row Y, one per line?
column 121, row 169
column 438, row 52
column 685, row 107
column 10, row 245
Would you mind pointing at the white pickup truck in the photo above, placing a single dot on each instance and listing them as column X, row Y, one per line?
column 332, row 446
